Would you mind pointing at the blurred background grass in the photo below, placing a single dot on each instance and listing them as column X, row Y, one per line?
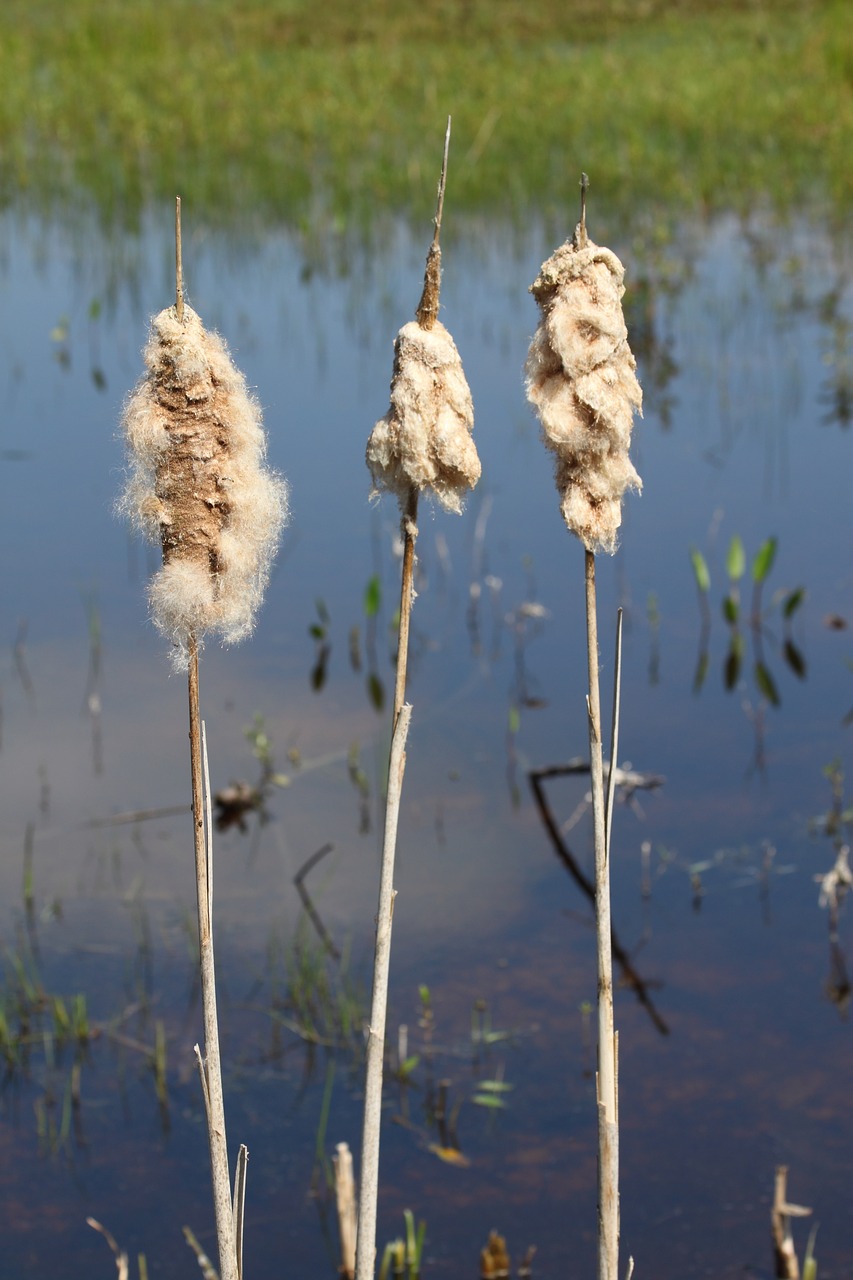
column 308, row 113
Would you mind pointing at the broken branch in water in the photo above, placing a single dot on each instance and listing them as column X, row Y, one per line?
column 310, row 910
column 787, row 1266
column 630, row 977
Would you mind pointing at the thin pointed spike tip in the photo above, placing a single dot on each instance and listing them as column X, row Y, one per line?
column 427, row 312
column 179, row 264
column 442, row 182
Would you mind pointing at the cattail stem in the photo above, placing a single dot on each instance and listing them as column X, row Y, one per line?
column 211, row 1066
column 365, row 1255
column 407, row 594
column 614, row 734
column 608, row 1132
column 428, row 348
column 375, row 1056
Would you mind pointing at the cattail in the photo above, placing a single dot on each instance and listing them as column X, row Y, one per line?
column 198, row 484
column 422, row 445
column 581, row 379
column 424, row 441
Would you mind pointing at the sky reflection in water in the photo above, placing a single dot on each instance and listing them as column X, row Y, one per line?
column 731, row 939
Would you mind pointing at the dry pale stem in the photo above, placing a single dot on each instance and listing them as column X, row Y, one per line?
column 613, row 768
column 608, row 1151
column 345, row 1198
column 240, row 1204
column 367, row 1204
column 222, row 1201
column 787, row 1265
column 423, row 443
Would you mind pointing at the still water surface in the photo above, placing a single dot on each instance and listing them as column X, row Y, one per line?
column 740, row 1057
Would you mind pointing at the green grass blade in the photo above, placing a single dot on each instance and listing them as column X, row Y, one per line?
column 735, row 559
column 763, row 562
column 700, row 571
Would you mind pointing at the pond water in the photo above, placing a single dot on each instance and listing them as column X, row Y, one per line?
column 735, row 1057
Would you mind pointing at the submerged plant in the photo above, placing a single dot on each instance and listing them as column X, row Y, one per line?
column 401, row 1259
column 581, row 380
column 735, row 615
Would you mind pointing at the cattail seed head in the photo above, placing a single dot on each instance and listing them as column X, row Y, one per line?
column 581, row 379
column 198, row 485
column 424, row 441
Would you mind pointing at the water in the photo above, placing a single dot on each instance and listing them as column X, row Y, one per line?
column 728, row 938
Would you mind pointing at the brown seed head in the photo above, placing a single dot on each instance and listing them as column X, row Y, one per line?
column 197, row 483
column 424, row 441
column 581, row 379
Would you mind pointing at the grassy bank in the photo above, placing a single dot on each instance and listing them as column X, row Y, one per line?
column 281, row 109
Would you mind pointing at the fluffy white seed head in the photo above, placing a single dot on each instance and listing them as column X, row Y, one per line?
column 197, row 484
column 424, row 441
column 581, row 379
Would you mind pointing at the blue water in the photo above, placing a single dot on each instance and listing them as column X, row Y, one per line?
column 754, row 1069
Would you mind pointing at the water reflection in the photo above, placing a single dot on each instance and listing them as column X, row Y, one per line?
column 628, row 975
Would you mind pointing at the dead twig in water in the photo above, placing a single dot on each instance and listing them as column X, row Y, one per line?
column 136, row 815
column 208, row 1270
column 307, row 902
column 787, row 1266
column 630, row 977
column 119, row 1254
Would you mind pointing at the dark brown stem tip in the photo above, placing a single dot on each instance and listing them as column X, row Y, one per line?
column 179, row 264
column 581, row 231
column 427, row 312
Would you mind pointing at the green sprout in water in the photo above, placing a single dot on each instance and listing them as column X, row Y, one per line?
column 319, row 632
column 492, row 1093
column 401, row 1259
column 786, row 603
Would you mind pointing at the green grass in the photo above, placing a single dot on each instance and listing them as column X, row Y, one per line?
column 326, row 113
